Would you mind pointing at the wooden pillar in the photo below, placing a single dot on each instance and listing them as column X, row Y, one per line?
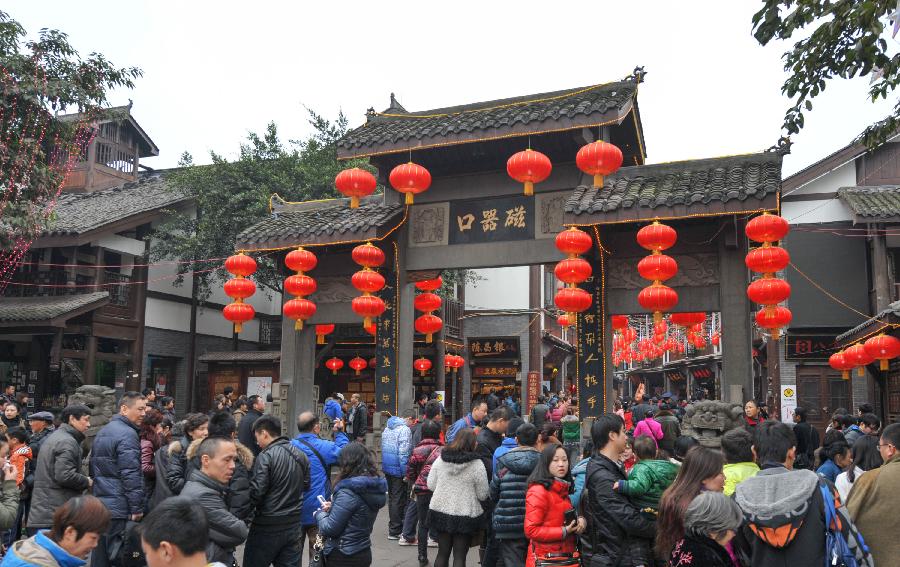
column 298, row 368
column 90, row 361
column 535, row 358
column 737, row 347
column 880, row 279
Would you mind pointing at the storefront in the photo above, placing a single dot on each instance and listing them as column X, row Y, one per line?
column 495, row 365
column 247, row 372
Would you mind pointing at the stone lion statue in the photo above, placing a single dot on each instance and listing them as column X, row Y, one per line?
column 708, row 420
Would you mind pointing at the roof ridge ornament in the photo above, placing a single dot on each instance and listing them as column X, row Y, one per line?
column 782, row 147
column 637, row 75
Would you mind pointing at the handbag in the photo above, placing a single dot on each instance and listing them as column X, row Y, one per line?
column 318, row 558
column 556, row 559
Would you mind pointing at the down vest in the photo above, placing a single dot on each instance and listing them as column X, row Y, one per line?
column 545, row 509
column 423, row 456
column 354, row 507
column 57, row 476
column 116, row 468
column 395, row 447
column 508, row 488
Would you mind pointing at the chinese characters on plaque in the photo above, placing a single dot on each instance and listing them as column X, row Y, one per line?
column 590, row 355
column 488, row 220
column 386, row 378
column 494, row 347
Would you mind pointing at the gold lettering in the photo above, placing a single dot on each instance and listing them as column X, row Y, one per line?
column 592, row 401
column 386, row 362
column 590, row 380
column 499, row 347
column 476, row 346
column 515, row 217
column 465, row 222
column 489, row 220
column 385, row 379
column 590, row 358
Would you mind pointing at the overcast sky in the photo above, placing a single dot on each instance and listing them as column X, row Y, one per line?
column 215, row 70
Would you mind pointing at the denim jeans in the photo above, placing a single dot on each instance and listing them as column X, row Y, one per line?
column 410, row 519
column 278, row 546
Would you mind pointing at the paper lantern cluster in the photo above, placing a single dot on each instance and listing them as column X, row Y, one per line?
column 453, row 362
column 239, row 288
column 657, row 268
column 657, row 338
column 427, row 303
column 368, row 281
column 881, row 347
column 768, row 259
column 572, row 271
column 300, row 286
column 598, row 159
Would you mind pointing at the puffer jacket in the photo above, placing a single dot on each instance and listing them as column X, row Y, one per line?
column 279, row 478
column 237, row 496
column 670, row 428
column 226, row 531
column 423, row 456
column 39, row 551
column 116, row 468
column 578, row 473
column 736, row 473
column 649, row 427
column 508, row 444
column 319, row 476
column 395, row 447
column 621, row 536
column 647, row 482
column 459, row 485
column 354, row 507
column 545, row 508
column 179, row 466
column 333, row 410
column 508, row 488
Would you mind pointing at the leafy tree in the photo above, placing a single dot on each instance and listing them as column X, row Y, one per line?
column 39, row 79
column 842, row 38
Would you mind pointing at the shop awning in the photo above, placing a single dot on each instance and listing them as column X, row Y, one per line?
column 242, row 356
column 48, row 311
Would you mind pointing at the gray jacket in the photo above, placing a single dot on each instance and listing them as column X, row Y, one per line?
column 226, row 531
column 57, row 475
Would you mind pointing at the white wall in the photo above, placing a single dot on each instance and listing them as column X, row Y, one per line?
column 843, row 176
column 819, row 211
column 500, row 288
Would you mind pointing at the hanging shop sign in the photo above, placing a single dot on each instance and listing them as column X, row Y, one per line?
column 482, row 371
column 386, row 370
column 809, row 347
column 534, row 390
column 494, row 347
column 491, row 220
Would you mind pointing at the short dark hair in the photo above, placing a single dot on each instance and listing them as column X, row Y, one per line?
column 222, row 424
column 432, row 409
column 891, row 434
column 645, row 447
column 865, row 408
column 683, row 446
column 843, row 420
column 75, row 410
column 84, row 514
column 514, row 423
column 587, row 448
column 431, row 429
column 306, row 422
column 603, row 426
column 147, row 391
column 194, row 420
column 737, row 445
column 210, row 446
column 527, row 435
column 773, row 441
column 801, row 412
column 18, row 434
column 179, row 521
column 129, row 399
column 269, row 424
column 870, row 420
column 228, row 390
column 251, row 401
column 500, row 414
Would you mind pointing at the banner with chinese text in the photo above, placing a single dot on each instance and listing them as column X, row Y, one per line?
column 589, row 358
column 387, row 378
column 490, row 220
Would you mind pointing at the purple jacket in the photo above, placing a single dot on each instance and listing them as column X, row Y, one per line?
column 649, row 427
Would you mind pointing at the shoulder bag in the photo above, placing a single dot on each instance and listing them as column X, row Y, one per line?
column 318, row 558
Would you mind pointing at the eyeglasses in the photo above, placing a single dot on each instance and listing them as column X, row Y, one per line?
column 880, row 445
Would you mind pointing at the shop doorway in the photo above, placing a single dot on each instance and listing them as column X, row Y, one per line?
column 821, row 391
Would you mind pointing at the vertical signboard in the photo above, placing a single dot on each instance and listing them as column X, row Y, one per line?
column 534, row 390
column 589, row 358
column 387, row 378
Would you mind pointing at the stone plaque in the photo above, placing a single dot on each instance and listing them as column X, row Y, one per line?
column 694, row 270
column 549, row 209
column 428, row 224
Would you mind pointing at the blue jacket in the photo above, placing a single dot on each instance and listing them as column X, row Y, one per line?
column 578, row 473
column 116, row 468
column 509, row 443
column 508, row 488
column 395, row 447
column 461, row 423
column 37, row 551
column 319, row 479
column 829, row 470
column 352, row 516
column 333, row 410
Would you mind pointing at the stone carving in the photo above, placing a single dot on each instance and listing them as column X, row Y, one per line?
column 428, row 225
column 335, row 290
column 102, row 401
column 551, row 209
column 693, row 270
column 708, row 420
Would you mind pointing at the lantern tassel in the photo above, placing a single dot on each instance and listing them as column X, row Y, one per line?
column 422, row 373
column 598, row 181
column 357, row 372
column 238, row 327
column 320, row 339
column 354, row 202
column 409, row 199
column 883, row 365
column 298, row 325
column 428, row 338
column 861, row 371
column 845, row 374
column 529, row 188
column 367, row 321
column 334, row 372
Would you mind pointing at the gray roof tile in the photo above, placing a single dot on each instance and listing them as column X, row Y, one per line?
column 873, row 202
column 242, row 356
column 44, row 308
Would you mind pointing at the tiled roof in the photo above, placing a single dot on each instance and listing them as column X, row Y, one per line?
column 570, row 108
column 43, row 308
column 78, row 213
column 873, row 202
column 645, row 191
column 880, row 320
column 322, row 222
column 242, row 356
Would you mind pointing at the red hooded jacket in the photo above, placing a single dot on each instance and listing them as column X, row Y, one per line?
column 544, row 519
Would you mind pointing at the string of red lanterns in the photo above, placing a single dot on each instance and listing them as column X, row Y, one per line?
column 572, row 271
column 768, row 290
column 427, row 302
column 453, row 362
column 299, row 285
column 659, row 339
column 657, row 268
column 368, row 281
column 355, row 183
column 239, row 288
column 881, row 347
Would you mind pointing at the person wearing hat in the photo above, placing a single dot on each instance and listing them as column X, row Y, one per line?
column 41, row 425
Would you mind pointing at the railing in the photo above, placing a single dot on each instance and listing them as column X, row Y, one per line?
column 34, row 284
column 119, row 288
column 452, row 312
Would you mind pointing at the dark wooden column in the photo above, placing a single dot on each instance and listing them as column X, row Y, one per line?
column 737, row 358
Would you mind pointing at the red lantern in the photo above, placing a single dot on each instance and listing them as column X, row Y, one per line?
column 300, row 285
column 839, row 361
column 629, row 334
column 299, row 310
column 767, row 259
column 355, row 183
column 657, row 267
column 859, row 357
column 768, row 291
column 774, row 319
column 428, row 324
column 658, row 298
column 688, row 319
column 372, row 362
column 619, row 322
column 660, row 328
column 573, row 300
column 563, row 320
column 657, row 237
column 715, row 340
column 334, row 364
column 767, row 228
column 883, row 348
column 368, row 307
column 321, row 331
column 573, row 270
column 529, row 167
column 458, row 361
column 357, row 364
column 423, row 365
column 238, row 313
column 410, row 179
column 239, row 288
column 240, row 265
column 300, row 260
column 430, row 285
column 427, row 302
column 573, row 242
column 368, row 255
column 367, row 281
column 599, row 159
column 371, row 329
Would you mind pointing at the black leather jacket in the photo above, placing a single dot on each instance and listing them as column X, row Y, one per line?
column 280, row 476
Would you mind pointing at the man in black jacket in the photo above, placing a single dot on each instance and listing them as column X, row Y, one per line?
column 279, row 478
column 489, row 439
column 221, row 424
column 357, row 419
column 620, row 530
column 245, row 428
column 508, row 488
column 539, row 413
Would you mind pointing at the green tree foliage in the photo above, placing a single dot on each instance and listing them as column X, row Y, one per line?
column 840, row 38
column 38, row 80
column 234, row 195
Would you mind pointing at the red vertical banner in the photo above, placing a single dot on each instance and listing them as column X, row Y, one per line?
column 533, row 391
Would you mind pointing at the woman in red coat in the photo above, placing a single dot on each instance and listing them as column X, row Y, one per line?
column 546, row 503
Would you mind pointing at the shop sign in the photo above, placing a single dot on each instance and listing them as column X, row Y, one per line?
column 534, row 390
column 386, row 371
column 809, row 347
column 494, row 347
column 589, row 355
column 491, row 220
column 788, row 403
column 481, row 371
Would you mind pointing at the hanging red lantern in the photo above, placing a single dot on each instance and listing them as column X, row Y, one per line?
column 423, row 365
column 883, row 348
column 427, row 302
column 767, row 228
column 599, row 159
column 357, row 363
column 238, row 313
column 372, row 362
column 572, row 300
column 239, row 288
column 529, row 167
column 657, row 267
column 859, row 357
column 367, row 281
column 573, row 270
column 629, row 334
column 619, row 322
column 334, row 364
column 368, row 307
column 767, row 259
column 715, row 340
column 839, row 362
column 240, row 265
column 355, row 183
column 368, row 255
column 657, row 237
column 321, row 331
column 658, row 298
column 300, row 260
column 563, row 320
column 433, row 284
column 573, row 242
column 299, row 310
column 428, row 325
column 300, row 285
column 768, row 291
column 410, row 179
column 774, row 319
column 660, row 328
column 688, row 319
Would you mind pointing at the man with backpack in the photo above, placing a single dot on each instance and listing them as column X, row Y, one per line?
column 792, row 517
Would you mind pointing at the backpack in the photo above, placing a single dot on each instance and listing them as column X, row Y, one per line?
column 840, row 550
